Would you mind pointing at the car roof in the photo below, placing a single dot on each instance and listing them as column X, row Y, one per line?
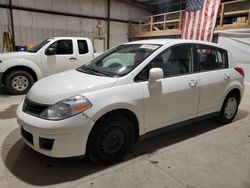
column 83, row 38
column 173, row 41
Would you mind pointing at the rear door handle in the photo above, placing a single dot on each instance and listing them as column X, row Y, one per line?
column 226, row 76
column 72, row 58
column 193, row 83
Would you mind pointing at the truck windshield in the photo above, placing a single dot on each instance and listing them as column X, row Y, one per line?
column 120, row 60
column 38, row 46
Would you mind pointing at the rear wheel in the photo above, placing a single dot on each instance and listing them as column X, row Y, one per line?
column 18, row 82
column 110, row 139
column 229, row 108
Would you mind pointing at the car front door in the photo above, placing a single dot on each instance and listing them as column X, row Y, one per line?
column 59, row 56
column 214, row 77
column 175, row 97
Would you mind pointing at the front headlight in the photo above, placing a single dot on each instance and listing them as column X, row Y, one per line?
column 66, row 108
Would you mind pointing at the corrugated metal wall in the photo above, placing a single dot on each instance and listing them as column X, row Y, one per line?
column 30, row 27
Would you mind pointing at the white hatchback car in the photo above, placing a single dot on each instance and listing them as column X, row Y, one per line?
column 133, row 89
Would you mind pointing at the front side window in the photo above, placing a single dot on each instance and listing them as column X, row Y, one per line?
column 174, row 61
column 62, row 47
column 120, row 60
column 210, row 58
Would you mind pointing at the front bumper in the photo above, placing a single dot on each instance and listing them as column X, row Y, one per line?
column 64, row 138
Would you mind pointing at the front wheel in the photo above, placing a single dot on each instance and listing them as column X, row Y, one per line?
column 18, row 82
column 110, row 140
column 229, row 109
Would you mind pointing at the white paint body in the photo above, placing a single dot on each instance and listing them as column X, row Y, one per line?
column 44, row 65
column 156, row 105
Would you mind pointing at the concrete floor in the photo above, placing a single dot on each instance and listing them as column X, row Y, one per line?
column 204, row 154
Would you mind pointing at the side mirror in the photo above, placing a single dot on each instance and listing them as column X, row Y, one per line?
column 155, row 74
column 50, row 51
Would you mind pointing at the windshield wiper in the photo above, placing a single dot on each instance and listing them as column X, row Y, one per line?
column 96, row 72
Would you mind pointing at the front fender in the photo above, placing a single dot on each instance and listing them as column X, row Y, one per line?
column 5, row 65
column 115, row 106
column 118, row 97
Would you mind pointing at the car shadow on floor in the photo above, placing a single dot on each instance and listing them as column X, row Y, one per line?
column 3, row 91
column 37, row 169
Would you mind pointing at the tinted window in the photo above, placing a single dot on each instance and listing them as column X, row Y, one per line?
column 210, row 58
column 82, row 46
column 63, row 47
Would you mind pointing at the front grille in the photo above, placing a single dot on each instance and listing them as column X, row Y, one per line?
column 33, row 108
column 28, row 136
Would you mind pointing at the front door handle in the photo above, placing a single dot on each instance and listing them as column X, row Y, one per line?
column 193, row 83
column 72, row 58
column 226, row 76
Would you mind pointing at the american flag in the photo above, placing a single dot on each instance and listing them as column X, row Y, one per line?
column 199, row 19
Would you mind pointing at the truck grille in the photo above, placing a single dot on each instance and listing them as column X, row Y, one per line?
column 33, row 108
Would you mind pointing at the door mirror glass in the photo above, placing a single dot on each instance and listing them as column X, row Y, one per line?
column 155, row 74
column 50, row 51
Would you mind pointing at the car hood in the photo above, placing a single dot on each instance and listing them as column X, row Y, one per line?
column 14, row 55
column 53, row 89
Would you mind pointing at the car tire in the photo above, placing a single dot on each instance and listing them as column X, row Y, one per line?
column 229, row 108
column 110, row 140
column 18, row 82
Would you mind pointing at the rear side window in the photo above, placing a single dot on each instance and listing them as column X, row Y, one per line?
column 82, row 46
column 210, row 58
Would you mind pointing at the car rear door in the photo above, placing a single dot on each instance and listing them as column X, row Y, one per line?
column 175, row 97
column 214, row 77
column 85, row 53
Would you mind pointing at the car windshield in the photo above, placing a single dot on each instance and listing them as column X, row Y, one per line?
column 38, row 46
column 120, row 60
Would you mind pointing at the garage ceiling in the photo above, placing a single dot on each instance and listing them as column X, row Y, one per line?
column 160, row 6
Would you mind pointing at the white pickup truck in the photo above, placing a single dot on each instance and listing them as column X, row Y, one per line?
column 19, row 70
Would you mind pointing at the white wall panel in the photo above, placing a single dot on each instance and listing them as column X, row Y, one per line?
column 31, row 27
column 25, row 3
column 44, row 4
column 119, row 33
column 120, row 10
column 94, row 7
column 4, row 2
column 4, row 20
column 86, row 7
column 4, row 15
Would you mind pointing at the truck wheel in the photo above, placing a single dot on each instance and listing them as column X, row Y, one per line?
column 110, row 140
column 229, row 109
column 18, row 82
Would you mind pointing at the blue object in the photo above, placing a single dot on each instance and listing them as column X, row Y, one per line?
column 21, row 48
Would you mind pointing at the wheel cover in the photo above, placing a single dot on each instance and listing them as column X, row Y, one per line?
column 112, row 140
column 231, row 108
column 20, row 83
